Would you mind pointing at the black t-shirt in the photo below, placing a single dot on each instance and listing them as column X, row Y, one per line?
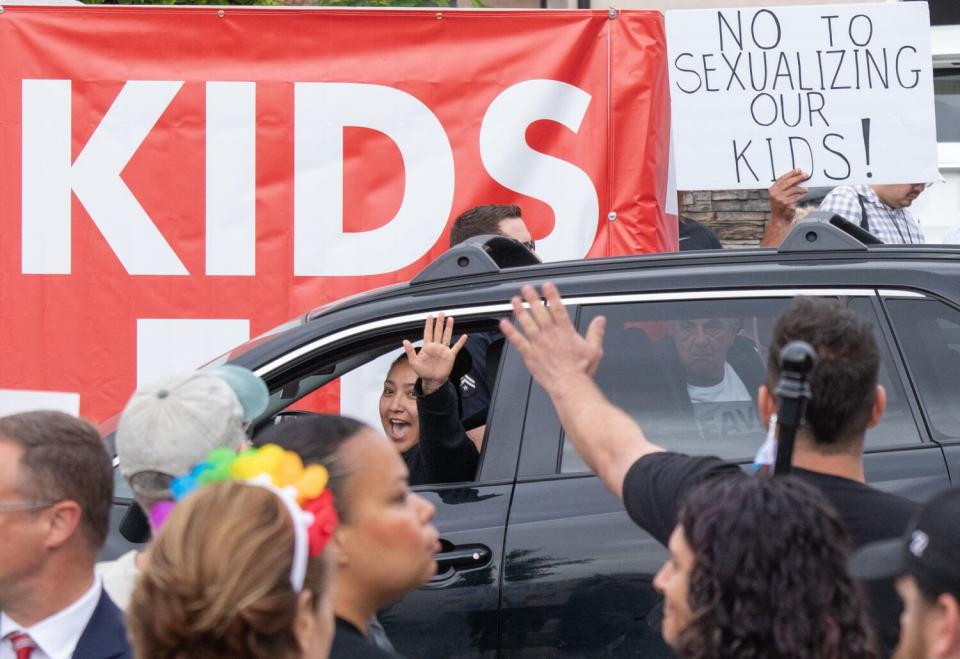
column 656, row 484
column 350, row 643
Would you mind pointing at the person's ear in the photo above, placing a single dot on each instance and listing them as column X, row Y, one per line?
column 340, row 542
column 63, row 519
column 946, row 643
column 879, row 407
column 304, row 621
column 767, row 405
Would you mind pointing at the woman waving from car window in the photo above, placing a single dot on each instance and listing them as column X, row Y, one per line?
column 419, row 408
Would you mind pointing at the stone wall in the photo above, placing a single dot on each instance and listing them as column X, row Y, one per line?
column 736, row 216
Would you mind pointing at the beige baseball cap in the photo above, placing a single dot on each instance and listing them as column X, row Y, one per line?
column 174, row 422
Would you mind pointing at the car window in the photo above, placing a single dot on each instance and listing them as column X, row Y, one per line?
column 351, row 381
column 929, row 335
column 689, row 372
column 898, row 426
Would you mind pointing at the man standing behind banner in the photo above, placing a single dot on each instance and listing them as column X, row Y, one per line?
column 880, row 209
column 484, row 347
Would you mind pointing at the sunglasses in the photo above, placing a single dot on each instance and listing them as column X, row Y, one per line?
column 22, row 506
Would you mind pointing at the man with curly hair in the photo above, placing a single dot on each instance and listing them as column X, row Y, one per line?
column 828, row 453
column 757, row 569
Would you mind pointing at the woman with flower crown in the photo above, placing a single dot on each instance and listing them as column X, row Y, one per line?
column 242, row 565
column 385, row 543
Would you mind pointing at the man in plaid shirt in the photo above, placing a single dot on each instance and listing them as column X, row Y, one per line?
column 880, row 209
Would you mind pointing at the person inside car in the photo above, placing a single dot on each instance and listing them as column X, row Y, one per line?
column 757, row 569
column 265, row 600
column 846, row 400
column 419, row 408
column 385, row 542
column 713, row 374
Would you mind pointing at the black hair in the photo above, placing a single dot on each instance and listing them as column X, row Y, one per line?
column 317, row 439
column 843, row 382
column 481, row 220
column 769, row 574
column 402, row 357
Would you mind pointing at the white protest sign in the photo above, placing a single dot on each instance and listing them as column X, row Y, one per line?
column 844, row 92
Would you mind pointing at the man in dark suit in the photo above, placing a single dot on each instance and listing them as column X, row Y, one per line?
column 56, row 487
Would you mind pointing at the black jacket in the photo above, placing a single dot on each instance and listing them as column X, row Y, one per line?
column 444, row 453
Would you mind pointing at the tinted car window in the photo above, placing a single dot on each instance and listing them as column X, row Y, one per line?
column 929, row 335
column 689, row 371
column 350, row 380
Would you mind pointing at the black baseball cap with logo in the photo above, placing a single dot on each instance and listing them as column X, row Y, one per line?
column 929, row 552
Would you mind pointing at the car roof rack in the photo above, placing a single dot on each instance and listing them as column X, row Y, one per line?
column 822, row 231
column 477, row 256
column 819, row 231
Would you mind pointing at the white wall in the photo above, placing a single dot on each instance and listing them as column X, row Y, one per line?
column 938, row 208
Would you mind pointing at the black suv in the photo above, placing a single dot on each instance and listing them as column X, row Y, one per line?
column 538, row 559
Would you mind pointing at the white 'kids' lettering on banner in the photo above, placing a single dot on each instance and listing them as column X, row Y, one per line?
column 844, row 92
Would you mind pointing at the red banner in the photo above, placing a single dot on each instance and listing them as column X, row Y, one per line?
column 175, row 180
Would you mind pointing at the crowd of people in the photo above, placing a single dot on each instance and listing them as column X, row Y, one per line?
column 288, row 544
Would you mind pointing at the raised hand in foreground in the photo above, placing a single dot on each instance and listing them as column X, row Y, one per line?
column 563, row 363
column 551, row 347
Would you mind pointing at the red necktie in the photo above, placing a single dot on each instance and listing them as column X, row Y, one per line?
column 23, row 645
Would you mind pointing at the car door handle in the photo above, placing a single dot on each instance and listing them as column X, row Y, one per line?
column 462, row 557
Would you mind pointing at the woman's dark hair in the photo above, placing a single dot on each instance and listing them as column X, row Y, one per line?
column 402, row 357
column 769, row 574
column 317, row 439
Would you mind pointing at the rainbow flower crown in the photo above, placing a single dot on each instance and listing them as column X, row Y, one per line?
column 301, row 489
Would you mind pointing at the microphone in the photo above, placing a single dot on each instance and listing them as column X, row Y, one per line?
column 793, row 390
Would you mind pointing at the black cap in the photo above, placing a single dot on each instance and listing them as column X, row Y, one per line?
column 929, row 552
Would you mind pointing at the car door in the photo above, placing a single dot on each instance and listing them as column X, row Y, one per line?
column 577, row 571
column 457, row 613
column 927, row 331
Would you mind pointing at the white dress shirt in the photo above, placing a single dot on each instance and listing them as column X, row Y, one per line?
column 56, row 636
column 119, row 577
